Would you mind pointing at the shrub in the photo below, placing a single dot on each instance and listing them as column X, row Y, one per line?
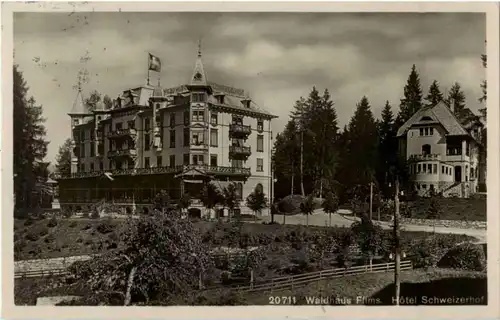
column 32, row 236
column 52, row 222
column 73, row 224
column 95, row 214
column 85, row 215
column 105, row 227
column 87, row 226
column 290, row 204
column 466, row 256
column 49, row 238
column 28, row 222
column 67, row 213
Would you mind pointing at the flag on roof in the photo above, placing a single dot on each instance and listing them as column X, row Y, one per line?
column 154, row 63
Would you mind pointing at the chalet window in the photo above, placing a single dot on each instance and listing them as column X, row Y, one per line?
column 186, row 117
column 260, row 125
column 429, row 168
column 213, row 118
column 426, row 131
column 260, row 143
column 434, row 166
column 421, row 131
column 159, row 162
column 442, row 169
column 418, row 168
column 172, row 160
column 431, row 131
column 172, row 119
column 185, row 159
column 426, row 149
column 424, row 168
column 260, row 165
column 213, row 160
column 186, row 137
column 131, row 124
column 220, row 99
column 172, row 138
column 213, row 137
column 147, row 142
column 197, row 138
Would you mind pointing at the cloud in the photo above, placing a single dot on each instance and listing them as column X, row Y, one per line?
column 277, row 57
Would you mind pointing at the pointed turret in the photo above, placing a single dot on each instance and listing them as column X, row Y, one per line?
column 199, row 77
column 79, row 107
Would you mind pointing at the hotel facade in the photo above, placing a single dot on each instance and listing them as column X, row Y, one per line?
column 174, row 139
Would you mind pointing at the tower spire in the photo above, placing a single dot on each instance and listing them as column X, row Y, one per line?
column 199, row 77
column 199, row 48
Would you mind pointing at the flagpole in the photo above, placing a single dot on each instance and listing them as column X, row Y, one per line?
column 148, row 68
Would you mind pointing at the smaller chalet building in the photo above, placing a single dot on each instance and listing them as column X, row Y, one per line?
column 443, row 154
column 174, row 139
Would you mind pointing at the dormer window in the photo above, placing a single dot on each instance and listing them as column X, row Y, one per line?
column 220, row 99
column 260, row 125
column 426, row 118
column 426, row 131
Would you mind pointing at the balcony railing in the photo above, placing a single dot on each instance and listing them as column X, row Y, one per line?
column 122, row 133
column 212, row 170
column 122, row 153
column 239, row 130
column 425, row 157
column 239, row 152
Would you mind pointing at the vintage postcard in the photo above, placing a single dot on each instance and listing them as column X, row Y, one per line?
column 308, row 160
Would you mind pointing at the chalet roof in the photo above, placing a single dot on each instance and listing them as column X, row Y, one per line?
column 439, row 114
column 79, row 107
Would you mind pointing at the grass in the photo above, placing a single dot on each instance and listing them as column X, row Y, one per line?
column 378, row 288
column 473, row 209
column 72, row 237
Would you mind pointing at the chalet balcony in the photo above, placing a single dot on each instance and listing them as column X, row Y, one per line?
column 425, row 157
column 119, row 133
column 239, row 152
column 210, row 170
column 122, row 153
column 239, row 130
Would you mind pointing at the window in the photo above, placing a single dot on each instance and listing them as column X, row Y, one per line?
column 186, row 137
column 197, row 138
column 119, row 165
column 101, row 165
column 131, row 124
column 92, row 150
column 442, row 169
column 426, row 131
column 421, row 131
column 431, row 187
column 424, row 168
column 186, row 117
column 260, row 143
column 429, row 168
column 213, row 160
column 197, row 97
column 172, row 119
column 260, row 125
column 147, row 124
column 213, row 118
column 159, row 161
column 118, row 126
column 237, row 163
column 424, row 186
column 431, row 131
column 198, row 159
column 172, row 138
column 75, row 122
column 185, row 159
column 147, row 142
column 82, row 150
column 220, row 99
column 199, row 116
column 172, row 160
column 91, row 167
column 239, row 190
column 435, row 170
column 237, row 120
column 157, row 106
column 426, row 149
column 146, row 162
column 418, row 168
column 260, row 165
column 213, row 137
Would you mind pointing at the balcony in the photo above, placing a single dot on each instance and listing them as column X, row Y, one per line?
column 122, row 153
column 425, row 157
column 239, row 130
column 239, row 152
column 118, row 133
column 211, row 170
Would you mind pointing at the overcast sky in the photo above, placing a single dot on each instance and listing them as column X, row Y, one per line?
column 277, row 57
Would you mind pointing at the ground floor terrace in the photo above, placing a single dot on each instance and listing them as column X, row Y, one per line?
column 134, row 190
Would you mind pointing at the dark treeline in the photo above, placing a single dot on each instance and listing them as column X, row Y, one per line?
column 365, row 151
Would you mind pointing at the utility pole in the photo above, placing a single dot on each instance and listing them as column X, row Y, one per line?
column 371, row 199
column 302, row 153
column 397, row 249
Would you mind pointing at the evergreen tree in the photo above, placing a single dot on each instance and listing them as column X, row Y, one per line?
column 286, row 160
column 412, row 100
column 387, row 147
column 362, row 145
column 63, row 158
column 483, row 88
column 257, row 201
column 434, row 96
column 30, row 146
column 456, row 102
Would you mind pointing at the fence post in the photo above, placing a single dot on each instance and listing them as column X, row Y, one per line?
column 387, row 266
column 251, row 279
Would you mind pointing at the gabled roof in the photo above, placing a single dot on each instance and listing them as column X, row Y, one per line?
column 438, row 114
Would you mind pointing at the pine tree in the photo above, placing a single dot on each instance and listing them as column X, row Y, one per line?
column 257, row 201
column 412, row 100
column 483, row 87
column 63, row 158
column 387, row 147
column 362, row 145
column 434, row 96
column 30, row 147
column 456, row 102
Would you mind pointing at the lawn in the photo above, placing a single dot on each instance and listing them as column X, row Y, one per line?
column 473, row 209
column 377, row 289
column 71, row 237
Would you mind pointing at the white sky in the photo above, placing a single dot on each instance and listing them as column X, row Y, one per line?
column 277, row 57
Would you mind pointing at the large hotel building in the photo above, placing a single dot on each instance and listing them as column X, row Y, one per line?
column 175, row 139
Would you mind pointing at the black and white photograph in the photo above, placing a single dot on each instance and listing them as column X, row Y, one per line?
column 243, row 158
